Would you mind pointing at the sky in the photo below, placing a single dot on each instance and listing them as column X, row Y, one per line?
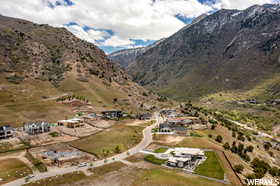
column 119, row 24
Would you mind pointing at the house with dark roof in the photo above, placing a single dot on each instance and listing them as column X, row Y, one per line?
column 112, row 114
column 6, row 131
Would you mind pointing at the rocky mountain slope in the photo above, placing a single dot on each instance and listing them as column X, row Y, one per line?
column 127, row 56
column 39, row 63
column 228, row 50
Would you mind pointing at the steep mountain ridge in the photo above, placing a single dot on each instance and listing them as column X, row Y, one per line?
column 227, row 50
column 39, row 63
column 128, row 56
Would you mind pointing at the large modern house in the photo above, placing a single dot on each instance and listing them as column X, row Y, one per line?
column 187, row 158
column 36, row 127
column 6, row 131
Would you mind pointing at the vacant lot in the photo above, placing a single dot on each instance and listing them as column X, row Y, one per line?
column 159, row 176
column 110, row 141
column 100, row 171
column 211, row 167
column 12, row 169
column 59, row 180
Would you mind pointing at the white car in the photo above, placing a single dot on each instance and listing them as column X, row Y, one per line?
column 82, row 165
column 30, row 176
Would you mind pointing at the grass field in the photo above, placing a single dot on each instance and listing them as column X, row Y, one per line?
column 211, row 167
column 12, row 169
column 59, row 180
column 164, row 177
column 154, row 160
column 160, row 150
column 105, row 143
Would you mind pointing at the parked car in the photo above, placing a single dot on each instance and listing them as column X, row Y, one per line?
column 82, row 165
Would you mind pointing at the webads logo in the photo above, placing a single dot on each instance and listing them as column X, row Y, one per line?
column 268, row 182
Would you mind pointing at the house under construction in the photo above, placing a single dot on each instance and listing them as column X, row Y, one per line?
column 36, row 127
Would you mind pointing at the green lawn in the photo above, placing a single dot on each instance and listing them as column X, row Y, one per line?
column 111, row 141
column 211, row 167
column 154, row 160
column 12, row 169
column 59, row 180
column 161, row 150
column 164, row 177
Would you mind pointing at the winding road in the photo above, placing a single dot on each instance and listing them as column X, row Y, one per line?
column 147, row 139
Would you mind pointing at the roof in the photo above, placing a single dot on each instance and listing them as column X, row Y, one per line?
column 176, row 159
column 186, row 151
column 111, row 111
column 6, row 127
column 74, row 120
column 38, row 123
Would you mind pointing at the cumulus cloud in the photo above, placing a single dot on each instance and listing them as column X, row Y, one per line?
column 128, row 19
column 90, row 35
column 240, row 4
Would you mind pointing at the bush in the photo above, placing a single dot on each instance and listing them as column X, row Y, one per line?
column 54, row 134
column 267, row 146
column 260, row 167
column 219, row 139
column 250, row 148
column 274, row 171
column 226, row 146
column 238, row 168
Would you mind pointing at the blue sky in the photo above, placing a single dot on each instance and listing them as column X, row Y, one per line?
column 119, row 24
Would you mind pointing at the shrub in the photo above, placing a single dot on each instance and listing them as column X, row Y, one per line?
column 219, row 139
column 267, row 146
column 226, row 146
column 250, row 148
column 238, row 168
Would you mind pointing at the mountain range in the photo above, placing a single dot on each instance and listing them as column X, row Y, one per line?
column 228, row 50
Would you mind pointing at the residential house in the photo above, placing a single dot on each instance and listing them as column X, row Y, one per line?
column 145, row 116
column 112, row 114
column 36, row 127
column 72, row 123
column 6, row 131
column 186, row 157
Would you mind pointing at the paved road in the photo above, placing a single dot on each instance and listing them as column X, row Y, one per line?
column 147, row 139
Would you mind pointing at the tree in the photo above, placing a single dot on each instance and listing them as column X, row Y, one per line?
column 274, row 172
column 117, row 149
column 267, row 146
column 219, row 139
column 250, row 148
column 238, row 168
column 213, row 127
column 226, row 146
column 240, row 148
column 233, row 134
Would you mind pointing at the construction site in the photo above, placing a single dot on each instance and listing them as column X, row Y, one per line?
column 60, row 155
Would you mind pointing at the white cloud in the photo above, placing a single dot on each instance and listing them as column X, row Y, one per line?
column 240, row 4
column 90, row 35
column 115, row 41
column 129, row 19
